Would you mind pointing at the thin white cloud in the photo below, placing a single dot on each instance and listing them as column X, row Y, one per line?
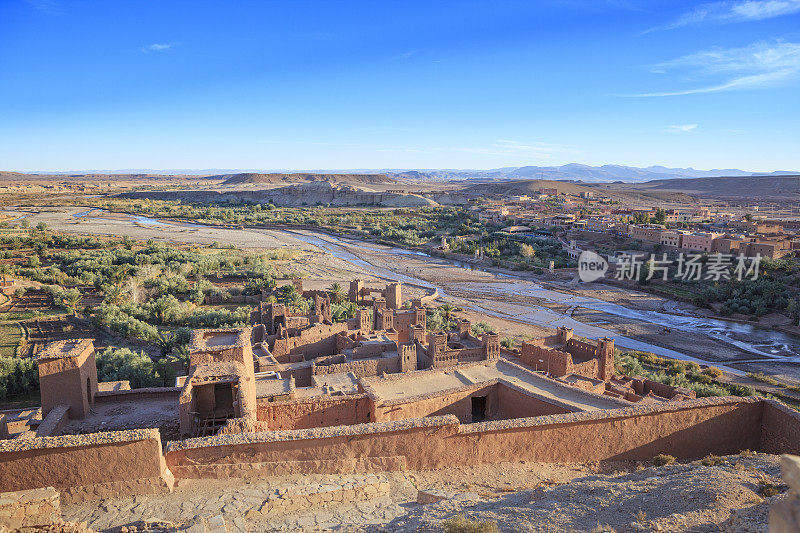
column 682, row 128
column 158, row 47
column 405, row 55
column 732, row 12
column 755, row 66
column 45, row 6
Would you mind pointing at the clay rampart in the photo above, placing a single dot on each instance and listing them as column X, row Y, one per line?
column 686, row 430
column 88, row 466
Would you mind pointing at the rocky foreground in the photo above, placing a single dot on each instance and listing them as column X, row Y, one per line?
column 733, row 493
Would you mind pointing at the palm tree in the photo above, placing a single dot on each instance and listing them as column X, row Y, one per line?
column 72, row 300
column 337, row 293
column 447, row 311
column 5, row 270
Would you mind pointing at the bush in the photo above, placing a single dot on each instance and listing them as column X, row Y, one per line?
column 713, row 371
column 122, row 364
column 508, row 343
column 711, row 460
column 767, row 488
column 17, row 376
column 460, row 524
column 763, row 378
column 663, row 460
column 480, row 328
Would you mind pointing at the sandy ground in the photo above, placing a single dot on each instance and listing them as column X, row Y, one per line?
column 511, row 304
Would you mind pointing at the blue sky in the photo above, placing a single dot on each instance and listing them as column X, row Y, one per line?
column 382, row 84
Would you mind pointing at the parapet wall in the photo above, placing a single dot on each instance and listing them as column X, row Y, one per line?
column 780, row 429
column 96, row 465
column 686, row 430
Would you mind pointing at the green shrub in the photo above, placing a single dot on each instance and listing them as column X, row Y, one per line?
column 663, row 460
column 122, row 364
column 18, row 376
column 711, row 460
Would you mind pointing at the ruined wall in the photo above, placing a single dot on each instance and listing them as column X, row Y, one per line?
column 29, row 509
column 517, row 404
column 456, row 402
column 685, row 430
column 314, row 412
column 546, row 360
column 89, row 466
column 310, row 343
column 590, row 368
column 581, row 350
column 301, row 374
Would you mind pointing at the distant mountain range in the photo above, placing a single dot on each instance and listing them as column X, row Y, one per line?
column 571, row 172
column 581, row 173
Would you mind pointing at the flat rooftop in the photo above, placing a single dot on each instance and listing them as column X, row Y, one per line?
column 434, row 381
column 344, row 382
column 131, row 411
column 267, row 386
column 62, row 349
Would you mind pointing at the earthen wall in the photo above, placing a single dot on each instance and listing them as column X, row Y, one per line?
column 93, row 465
column 362, row 367
column 314, row 412
column 687, row 430
column 780, row 429
column 457, row 402
column 517, row 404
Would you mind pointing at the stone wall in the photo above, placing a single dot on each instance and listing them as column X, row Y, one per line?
column 95, row 465
column 29, row 508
